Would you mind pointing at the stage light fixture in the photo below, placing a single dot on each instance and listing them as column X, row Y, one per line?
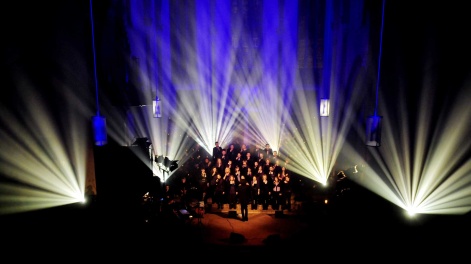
column 373, row 123
column 98, row 121
column 373, row 131
column 156, row 107
column 324, row 107
column 167, row 162
column 99, row 130
column 173, row 165
column 159, row 159
column 142, row 142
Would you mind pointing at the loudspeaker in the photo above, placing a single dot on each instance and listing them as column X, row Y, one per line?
column 236, row 238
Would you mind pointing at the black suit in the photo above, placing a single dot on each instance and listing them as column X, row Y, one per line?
column 217, row 153
column 267, row 152
column 244, row 194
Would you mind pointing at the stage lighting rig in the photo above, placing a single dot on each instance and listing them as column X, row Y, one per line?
column 324, row 107
column 166, row 164
column 156, row 110
column 159, row 159
column 142, row 142
column 173, row 165
column 373, row 125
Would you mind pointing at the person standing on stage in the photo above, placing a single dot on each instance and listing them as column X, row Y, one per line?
column 217, row 152
column 231, row 192
column 244, row 197
column 219, row 191
column 266, row 187
column 255, row 187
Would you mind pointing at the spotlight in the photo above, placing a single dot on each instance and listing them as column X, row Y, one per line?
column 159, row 159
column 373, row 131
column 167, row 162
column 411, row 212
column 324, row 107
column 99, row 130
column 156, row 107
column 142, row 142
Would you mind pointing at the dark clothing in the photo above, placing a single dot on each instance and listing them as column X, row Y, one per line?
column 244, row 195
column 277, row 195
column 267, row 152
column 265, row 193
column 225, row 159
column 219, row 188
column 203, row 183
column 217, row 153
column 286, row 188
column 237, row 161
column 220, row 168
column 183, row 191
column 231, row 193
column 237, row 175
column 255, row 188
column 168, row 201
column 232, row 154
column 277, row 169
column 207, row 165
column 243, row 170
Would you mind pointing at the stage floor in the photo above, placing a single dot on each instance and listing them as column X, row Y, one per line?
column 347, row 230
